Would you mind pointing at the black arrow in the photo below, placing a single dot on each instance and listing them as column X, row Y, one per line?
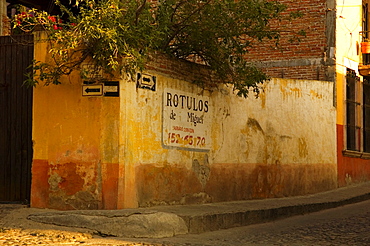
column 92, row 90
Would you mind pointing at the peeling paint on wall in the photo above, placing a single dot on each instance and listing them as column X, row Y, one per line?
column 302, row 147
column 202, row 170
column 109, row 153
column 257, row 151
column 73, row 186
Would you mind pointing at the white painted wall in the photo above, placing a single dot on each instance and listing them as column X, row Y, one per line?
column 348, row 37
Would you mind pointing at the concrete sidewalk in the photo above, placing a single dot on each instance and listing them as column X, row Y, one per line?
column 167, row 221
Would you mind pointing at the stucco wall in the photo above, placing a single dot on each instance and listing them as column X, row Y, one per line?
column 280, row 144
column 75, row 162
column 4, row 21
column 97, row 152
column 75, row 149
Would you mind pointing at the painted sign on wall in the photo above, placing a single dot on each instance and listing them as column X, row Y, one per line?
column 186, row 120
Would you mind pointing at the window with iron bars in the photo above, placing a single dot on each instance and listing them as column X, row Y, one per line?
column 357, row 113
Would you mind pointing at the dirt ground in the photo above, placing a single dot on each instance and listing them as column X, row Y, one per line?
column 16, row 229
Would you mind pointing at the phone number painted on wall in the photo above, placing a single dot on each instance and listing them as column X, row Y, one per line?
column 186, row 120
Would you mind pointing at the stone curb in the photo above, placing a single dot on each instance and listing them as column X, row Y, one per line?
column 217, row 221
column 168, row 221
column 134, row 225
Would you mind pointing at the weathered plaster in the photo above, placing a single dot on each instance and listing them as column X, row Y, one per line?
column 108, row 153
column 281, row 144
column 4, row 20
column 75, row 145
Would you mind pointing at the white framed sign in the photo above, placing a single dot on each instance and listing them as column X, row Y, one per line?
column 186, row 120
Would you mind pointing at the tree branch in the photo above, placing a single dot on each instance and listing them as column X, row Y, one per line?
column 138, row 11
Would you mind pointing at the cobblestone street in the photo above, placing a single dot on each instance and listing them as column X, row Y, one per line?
column 54, row 237
column 347, row 225
column 15, row 229
column 26, row 237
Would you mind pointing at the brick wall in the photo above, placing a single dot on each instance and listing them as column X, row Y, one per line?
column 181, row 69
column 297, row 60
column 307, row 59
column 312, row 72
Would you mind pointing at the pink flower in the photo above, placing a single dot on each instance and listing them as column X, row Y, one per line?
column 55, row 27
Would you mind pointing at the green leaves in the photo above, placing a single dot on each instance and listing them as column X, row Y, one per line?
column 118, row 35
column 219, row 33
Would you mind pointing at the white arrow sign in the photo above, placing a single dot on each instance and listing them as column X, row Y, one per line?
column 146, row 81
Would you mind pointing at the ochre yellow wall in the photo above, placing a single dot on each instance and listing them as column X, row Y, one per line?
column 108, row 153
column 75, row 163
